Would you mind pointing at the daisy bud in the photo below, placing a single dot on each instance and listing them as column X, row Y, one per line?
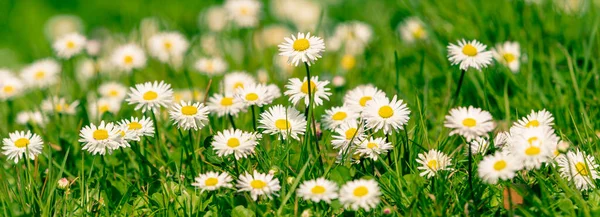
column 63, row 183
column 563, row 147
column 274, row 171
column 305, row 213
column 290, row 180
column 387, row 211
column 338, row 81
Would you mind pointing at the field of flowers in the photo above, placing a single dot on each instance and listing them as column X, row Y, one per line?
column 300, row 108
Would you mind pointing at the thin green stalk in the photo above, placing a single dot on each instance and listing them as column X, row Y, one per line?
column 460, row 82
column 253, row 117
column 231, row 121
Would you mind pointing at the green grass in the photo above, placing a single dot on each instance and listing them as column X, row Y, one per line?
column 560, row 75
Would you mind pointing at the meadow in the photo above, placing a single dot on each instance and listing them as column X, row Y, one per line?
column 300, row 108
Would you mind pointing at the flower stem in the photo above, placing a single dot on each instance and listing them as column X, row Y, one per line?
column 312, row 115
column 470, row 164
column 460, row 81
column 253, row 117
column 231, row 121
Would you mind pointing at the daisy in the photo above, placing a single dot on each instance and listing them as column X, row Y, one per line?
column 236, row 142
column 479, row 145
column 304, row 48
column 100, row 106
column 337, row 116
column 212, row 181
column 150, row 96
column 128, row 57
column 255, row 94
column 138, row 127
column 353, row 36
column 211, row 66
column 348, row 62
column 288, row 122
column 533, row 146
column 225, row 105
column 360, row 193
column 412, row 29
column 258, row 184
column 167, row 45
column 298, row 90
column 347, row 135
column 100, row 139
column 62, row 24
column 432, row 162
column 501, row 139
column 273, row 92
column 93, row 47
column 21, row 144
column 501, row 165
column 41, row 74
column 59, row 105
column 580, row 168
column 31, row 117
column 235, row 80
column 469, row 54
column 469, row 122
column 386, row 115
column 113, row 90
column 69, row 45
column 318, row 190
column 373, row 147
column 215, row 17
column 508, row 54
column 11, row 87
column 536, row 119
column 87, row 69
column 357, row 98
column 244, row 13
column 188, row 115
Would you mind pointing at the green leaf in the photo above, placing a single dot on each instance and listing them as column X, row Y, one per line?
column 241, row 211
column 340, row 175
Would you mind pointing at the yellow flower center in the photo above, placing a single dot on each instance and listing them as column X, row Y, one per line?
column 128, row 59
column 304, row 87
column 233, row 142
column 581, row 168
column 361, row 191
column 134, row 126
column 348, row 62
column 363, row 101
column 113, row 93
column 40, row 75
column 58, row 108
column 258, row 184
column 244, row 11
column 282, row 124
column 350, row 133
column 532, row 123
column 418, row 32
column 469, row 50
column 102, row 108
column 301, row 44
column 150, row 95
column 22, row 143
column 338, row 116
column 372, row 145
column 238, row 85
column 8, row 89
column 317, row 189
column 532, row 151
column 189, row 110
column 211, row 181
column 532, row 139
column 386, row 111
column 100, row 134
column 209, row 66
column 499, row 165
column 251, row 97
column 227, row 101
column 168, row 45
column 469, row 122
column 432, row 164
column 70, row 44
column 508, row 57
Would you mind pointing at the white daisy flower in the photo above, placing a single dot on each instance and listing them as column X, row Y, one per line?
column 288, row 122
column 150, row 96
column 128, row 57
column 113, row 90
column 236, row 142
column 138, row 127
column 59, row 105
column 304, row 48
column 580, row 168
column 412, row 29
column 188, row 95
column 100, row 106
column 188, row 115
column 337, row 116
column 500, row 166
column 225, row 105
column 41, row 73
column 533, row 145
column 469, row 122
column 258, row 184
column 270, row 36
column 254, row 94
column 235, row 80
column 360, row 193
column 31, row 117
column 62, row 24
column 373, row 147
column 87, row 69
column 21, row 144
column 501, row 139
column 509, row 55
column 353, row 36
column 479, row 145
column 298, row 90
column 273, row 92
column 469, row 54
column 100, row 139
column 93, row 47
column 318, row 190
column 166, row 46
column 357, row 98
column 386, row 115
column 433, row 162
column 536, row 119
column 212, row 181
column 244, row 13
column 11, row 87
column 215, row 18
column 348, row 135
column 211, row 66
column 69, row 45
